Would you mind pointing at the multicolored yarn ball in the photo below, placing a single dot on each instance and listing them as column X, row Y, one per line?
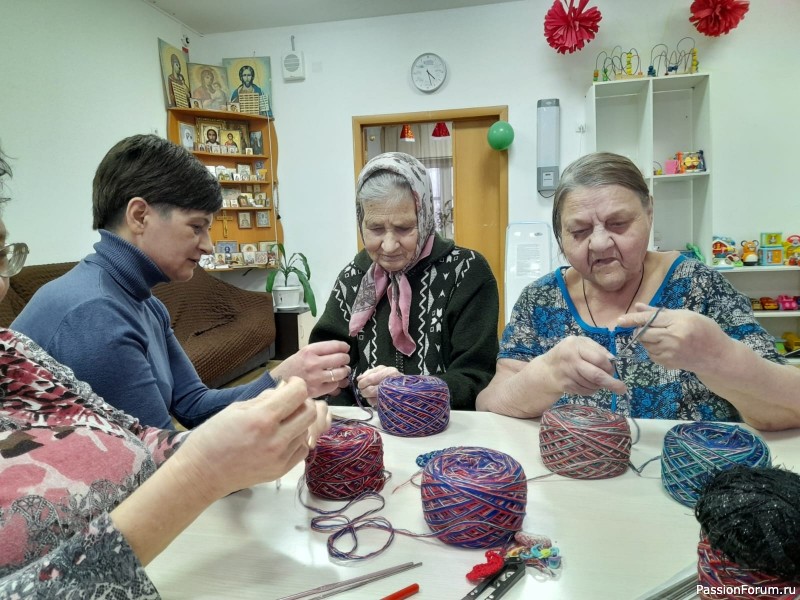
column 413, row 405
column 750, row 521
column 584, row 442
column 695, row 452
column 474, row 497
column 347, row 461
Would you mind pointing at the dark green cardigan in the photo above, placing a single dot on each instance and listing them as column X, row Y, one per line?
column 453, row 320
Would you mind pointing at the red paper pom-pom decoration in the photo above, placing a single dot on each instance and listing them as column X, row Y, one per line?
column 570, row 29
column 717, row 17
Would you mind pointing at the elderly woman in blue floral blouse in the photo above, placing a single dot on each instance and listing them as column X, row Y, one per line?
column 704, row 357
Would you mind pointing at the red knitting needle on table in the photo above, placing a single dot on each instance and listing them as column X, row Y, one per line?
column 404, row 593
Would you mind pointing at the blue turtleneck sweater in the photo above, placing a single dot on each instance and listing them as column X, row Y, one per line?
column 101, row 320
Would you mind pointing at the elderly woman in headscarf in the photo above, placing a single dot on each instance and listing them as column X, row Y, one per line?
column 411, row 302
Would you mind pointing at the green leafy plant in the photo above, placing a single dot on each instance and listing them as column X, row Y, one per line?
column 287, row 266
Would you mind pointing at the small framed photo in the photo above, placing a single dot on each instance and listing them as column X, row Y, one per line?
column 244, row 170
column 231, row 138
column 216, row 149
column 249, row 248
column 248, row 150
column 187, row 132
column 264, row 246
column 262, row 258
column 245, row 199
column 249, row 258
column 260, row 199
column 237, row 259
column 245, row 220
column 233, row 107
column 262, row 218
column 195, row 103
column 201, row 147
column 226, row 247
column 219, row 259
column 236, row 177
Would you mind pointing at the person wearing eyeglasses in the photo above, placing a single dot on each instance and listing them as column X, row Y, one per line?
column 61, row 444
column 153, row 203
column 573, row 336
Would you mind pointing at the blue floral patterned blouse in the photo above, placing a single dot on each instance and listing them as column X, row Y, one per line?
column 545, row 314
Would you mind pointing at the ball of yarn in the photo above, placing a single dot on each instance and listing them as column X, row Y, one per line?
column 474, row 497
column 347, row 461
column 584, row 442
column 413, row 405
column 694, row 452
column 752, row 516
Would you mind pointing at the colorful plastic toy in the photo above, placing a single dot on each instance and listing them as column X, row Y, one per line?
column 768, row 303
column 750, row 253
column 755, row 304
column 790, row 341
column 786, row 302
column 771, row 238
column 791, row 250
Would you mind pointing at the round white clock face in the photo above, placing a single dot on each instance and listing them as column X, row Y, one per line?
column 428, row 72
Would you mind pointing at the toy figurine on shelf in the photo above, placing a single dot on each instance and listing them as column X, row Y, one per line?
column 791, row 250
column 722, row 248
column 750, row 253
column 696, row 252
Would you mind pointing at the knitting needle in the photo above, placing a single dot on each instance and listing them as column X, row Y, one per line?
column 643, row 328
column 348, row 584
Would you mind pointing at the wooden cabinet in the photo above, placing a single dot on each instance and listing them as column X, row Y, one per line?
column 256, row 221
column 649, row 120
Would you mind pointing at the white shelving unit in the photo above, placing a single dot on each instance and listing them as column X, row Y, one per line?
column 756, row 282
column 649, row 120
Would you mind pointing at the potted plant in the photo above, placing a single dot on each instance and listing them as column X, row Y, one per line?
column 290, row 296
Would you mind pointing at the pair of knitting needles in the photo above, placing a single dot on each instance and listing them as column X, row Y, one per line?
column 331, row 589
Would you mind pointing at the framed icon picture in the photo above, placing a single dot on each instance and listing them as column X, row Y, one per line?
column 262, row 218
column 245, row 220
column 175, row 74
column 209, row 85
column 187, row 132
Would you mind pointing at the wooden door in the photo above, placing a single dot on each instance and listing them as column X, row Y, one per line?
column 480, row 179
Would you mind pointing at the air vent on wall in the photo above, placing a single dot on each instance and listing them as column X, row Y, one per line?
column 293, row 66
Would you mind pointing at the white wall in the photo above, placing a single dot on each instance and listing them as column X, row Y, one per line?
column 77, row 76
column 103, row 86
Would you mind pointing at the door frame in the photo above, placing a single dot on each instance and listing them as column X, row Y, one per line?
column 496, row 113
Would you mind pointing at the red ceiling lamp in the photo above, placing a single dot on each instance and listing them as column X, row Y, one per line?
column 406, row 135
column 440, row 131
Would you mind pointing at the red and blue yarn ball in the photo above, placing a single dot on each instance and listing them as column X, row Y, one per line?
column 694, row 452
column 347, row 461
column 413, row 405
column 584, row 442
column 474, row 497
column 750, row 532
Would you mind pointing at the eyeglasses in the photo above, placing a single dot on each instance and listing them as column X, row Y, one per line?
column 12, row 259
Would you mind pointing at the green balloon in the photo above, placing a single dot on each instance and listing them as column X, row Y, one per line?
column 500, row 135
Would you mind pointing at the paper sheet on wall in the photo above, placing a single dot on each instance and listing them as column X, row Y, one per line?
column 528, row 257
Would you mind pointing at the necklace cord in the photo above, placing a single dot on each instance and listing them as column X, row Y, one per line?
column 586, row 300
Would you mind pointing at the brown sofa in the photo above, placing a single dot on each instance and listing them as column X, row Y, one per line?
column 226, row 331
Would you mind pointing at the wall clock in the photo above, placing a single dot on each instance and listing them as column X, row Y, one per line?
column 428, row 72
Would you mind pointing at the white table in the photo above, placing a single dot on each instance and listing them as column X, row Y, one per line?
column 618, row 537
